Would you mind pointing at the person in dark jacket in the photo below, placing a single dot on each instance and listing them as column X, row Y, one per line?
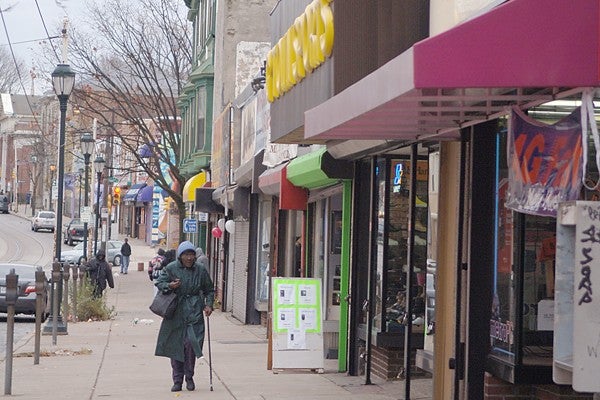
column 181, row 337
column 100, row 273
column 125, row 254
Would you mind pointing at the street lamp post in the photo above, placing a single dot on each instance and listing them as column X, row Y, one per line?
column 87, row 147
column 63, row 81
column 98, row 167
column 52, row 169
column 79, row 203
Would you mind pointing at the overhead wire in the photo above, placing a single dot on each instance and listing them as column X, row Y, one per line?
column 10, row 46
column 46, row 30
column 14, row 58
column 30, row 41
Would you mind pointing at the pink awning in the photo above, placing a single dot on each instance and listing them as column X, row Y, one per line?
column 524, row 52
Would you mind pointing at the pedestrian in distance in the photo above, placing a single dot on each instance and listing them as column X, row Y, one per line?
column 125, row 254
column 181, row 337
column 156, row 264
column 100, row 273
column 168, row 258
column 201, row 257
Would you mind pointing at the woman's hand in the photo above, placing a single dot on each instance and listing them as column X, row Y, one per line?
column 175, row 284
column 208, row 310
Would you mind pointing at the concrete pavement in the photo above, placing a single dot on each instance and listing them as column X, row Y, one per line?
column 116, row 359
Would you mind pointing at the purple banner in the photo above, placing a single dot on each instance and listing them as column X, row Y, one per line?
column 544, row 163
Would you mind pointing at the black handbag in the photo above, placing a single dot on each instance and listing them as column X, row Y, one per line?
column 164, row 304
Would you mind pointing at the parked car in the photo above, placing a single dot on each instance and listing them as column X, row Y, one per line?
column 4, row 203
column 25, row 290
column 43, row 220
column 75, row 255
column 75, row 232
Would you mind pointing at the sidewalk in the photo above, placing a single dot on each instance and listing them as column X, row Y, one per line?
column 116, row 359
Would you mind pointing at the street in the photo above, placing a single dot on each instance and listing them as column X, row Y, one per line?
column 19, row 244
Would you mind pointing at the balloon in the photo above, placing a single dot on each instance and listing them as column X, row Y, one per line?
column 221, row 224
column 216, row 232
column 230, row 226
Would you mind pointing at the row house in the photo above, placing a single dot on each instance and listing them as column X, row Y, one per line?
column 27, row 131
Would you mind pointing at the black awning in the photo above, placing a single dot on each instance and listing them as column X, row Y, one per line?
column 204, row 201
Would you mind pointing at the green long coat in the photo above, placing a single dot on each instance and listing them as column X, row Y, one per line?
column 196, row 292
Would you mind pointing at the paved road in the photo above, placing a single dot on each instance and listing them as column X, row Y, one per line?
column 18, row 243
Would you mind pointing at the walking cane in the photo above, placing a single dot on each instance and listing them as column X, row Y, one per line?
column 209, row 355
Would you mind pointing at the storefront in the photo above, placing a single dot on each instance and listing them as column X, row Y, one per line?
column 143, row 201
column 448, row 93
column 324, row 255
column 131, row 214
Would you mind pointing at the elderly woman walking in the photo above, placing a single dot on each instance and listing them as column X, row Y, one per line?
column 181, row 337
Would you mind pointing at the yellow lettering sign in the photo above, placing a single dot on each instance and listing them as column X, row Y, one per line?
column 305, row 46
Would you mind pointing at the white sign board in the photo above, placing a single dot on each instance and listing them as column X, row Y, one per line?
column 297, row 326
column 202, row 217
column 577, row 306
column 86, row 215
column 586, row 303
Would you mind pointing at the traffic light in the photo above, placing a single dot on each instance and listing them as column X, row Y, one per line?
column 116, row 196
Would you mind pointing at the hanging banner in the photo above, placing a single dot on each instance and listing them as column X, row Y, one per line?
column 544, row 163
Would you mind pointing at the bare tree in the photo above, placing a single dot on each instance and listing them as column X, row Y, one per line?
column 132, row 69
column 9, row 78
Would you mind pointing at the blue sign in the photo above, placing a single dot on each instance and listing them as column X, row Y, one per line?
column 190, row 226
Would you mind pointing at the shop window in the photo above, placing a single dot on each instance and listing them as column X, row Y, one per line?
column 262, row 264
column 521, row 327
column 393, row 202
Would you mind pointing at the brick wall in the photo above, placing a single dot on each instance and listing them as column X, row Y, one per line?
column 388, row 363
column 497, row 389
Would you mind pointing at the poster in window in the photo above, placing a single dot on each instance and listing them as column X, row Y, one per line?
column 336, row 232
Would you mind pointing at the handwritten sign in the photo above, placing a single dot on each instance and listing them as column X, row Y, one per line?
column 586, row 301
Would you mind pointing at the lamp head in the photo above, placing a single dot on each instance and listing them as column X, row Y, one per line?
column 87, row 144
column 63, row 80
column 99, row 164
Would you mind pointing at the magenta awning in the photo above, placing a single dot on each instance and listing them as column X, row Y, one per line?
column 524, row 52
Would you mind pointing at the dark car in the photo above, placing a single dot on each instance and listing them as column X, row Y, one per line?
column 74, row 231
column 4, row 203
column 25, row 289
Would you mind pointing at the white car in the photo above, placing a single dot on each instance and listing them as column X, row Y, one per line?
column 44, row 220
column 75, row 255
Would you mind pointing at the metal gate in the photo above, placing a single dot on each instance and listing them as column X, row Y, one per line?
column 240, row 270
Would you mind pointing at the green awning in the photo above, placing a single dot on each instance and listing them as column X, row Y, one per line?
column 318, row 169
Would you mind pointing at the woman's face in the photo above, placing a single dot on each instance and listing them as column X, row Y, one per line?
column 188, row 258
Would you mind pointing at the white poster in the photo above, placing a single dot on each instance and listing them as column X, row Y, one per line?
column 286, row 318
column 308, row 318
column 296, row 339
column 286, row 294
column 307, row 295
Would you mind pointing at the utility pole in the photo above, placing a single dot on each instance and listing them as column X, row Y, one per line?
column 106, row 183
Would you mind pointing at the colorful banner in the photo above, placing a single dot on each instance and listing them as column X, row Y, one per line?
column 544, row 162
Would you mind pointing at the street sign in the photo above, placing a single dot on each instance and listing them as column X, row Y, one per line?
column 112, row 179
column 86, row 215
column 190, row 226
column 203, row 217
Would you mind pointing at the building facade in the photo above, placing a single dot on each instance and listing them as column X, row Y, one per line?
column 376, row 152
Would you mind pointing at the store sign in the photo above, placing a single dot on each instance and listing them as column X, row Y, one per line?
column 305, row 46
column 545, row 163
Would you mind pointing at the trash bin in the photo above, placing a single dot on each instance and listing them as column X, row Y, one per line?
column 140, row 266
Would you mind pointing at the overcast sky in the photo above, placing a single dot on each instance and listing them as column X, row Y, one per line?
column 23, row 26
